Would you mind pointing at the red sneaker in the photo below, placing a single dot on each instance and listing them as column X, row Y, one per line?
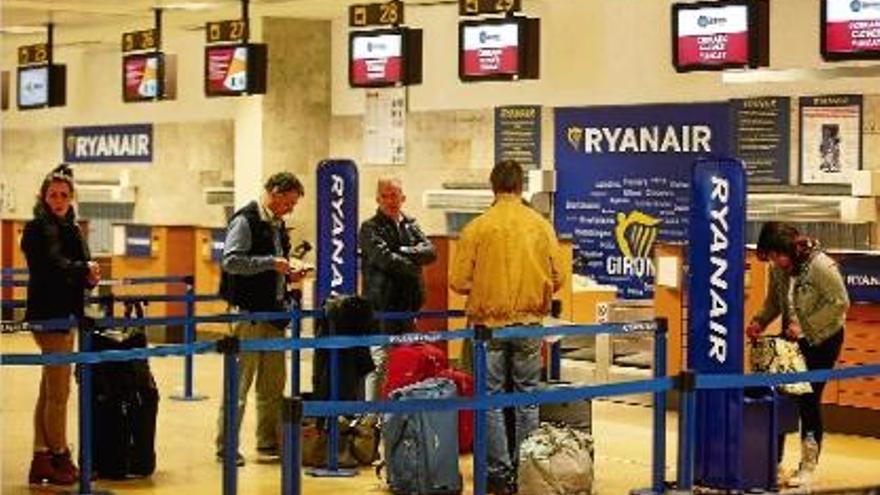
column 65, row 470
column 45, row 469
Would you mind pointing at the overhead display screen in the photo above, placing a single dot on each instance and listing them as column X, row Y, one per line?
column 140, row 77
column 712, row 36
column 490, row 49
column 226, row 71
column 33, row 87
column 850, row 29
column 376, row 58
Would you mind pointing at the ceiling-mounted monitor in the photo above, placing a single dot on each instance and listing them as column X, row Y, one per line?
column 385, row 57
column 718, row 35
column 143, row 77
column 233, row 70
column 39, row 86
column 499, row 49
column 850, row 29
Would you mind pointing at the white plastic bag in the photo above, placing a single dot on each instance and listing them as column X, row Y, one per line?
column 556, row 461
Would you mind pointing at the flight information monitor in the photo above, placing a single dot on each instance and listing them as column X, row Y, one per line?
column 376, row 58
column 850, row 29
column 718, row 35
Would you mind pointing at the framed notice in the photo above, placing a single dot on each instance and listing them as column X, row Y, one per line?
column 761, row 138
column 385, row 127
column 518, row 135
column 831, row 138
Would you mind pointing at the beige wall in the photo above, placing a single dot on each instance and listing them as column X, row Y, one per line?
column 593, row 52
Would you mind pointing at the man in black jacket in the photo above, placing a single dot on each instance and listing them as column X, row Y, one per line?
column 255, row 274
column 394, row 249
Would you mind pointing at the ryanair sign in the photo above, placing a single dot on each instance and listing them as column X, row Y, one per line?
column 109, row 144
column 623, row 183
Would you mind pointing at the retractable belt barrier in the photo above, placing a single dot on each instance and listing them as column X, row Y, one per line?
column 295, row 408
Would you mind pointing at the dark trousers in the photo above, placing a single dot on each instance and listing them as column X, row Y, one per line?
column 818, row 357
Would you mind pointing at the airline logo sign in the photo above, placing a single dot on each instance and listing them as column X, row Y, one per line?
column 852, row 25
column 717, row 260
column 714, row 35
column 377, row 58
column 337, row 228
column 109, row 144
column 491, row 49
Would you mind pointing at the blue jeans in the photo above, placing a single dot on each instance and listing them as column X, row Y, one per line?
column 518, row 360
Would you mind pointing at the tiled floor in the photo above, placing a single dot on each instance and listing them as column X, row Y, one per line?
column 186, row 431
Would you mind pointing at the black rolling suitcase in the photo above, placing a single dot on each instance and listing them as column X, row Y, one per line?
column 125, row 402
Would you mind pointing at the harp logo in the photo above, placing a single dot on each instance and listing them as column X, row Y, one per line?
column 635, row 234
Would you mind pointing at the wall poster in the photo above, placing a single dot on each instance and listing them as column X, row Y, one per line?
column 831, row 138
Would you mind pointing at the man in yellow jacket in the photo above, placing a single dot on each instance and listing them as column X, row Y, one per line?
column 509, row 264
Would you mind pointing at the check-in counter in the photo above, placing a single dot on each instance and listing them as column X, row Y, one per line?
column 155, row 251
column 851, row 406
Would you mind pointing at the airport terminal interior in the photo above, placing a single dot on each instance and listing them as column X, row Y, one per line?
column 657, row 137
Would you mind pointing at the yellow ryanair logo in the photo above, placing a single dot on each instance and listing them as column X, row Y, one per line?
column 575, row 136
column 635, row 233
column 71, row 144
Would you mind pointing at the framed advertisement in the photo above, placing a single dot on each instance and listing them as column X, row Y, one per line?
column 830, row 139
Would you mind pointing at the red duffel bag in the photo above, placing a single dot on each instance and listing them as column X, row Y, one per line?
column 411, row 363
column 465, row 385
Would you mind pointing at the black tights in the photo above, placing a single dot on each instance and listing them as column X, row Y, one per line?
column 819, row 357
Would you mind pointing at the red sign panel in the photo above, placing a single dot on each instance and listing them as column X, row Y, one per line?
column 713, row 36
column 226, row 70
column 376, row 59
column 491, row 49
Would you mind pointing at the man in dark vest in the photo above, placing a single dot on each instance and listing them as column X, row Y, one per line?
column 255, row 273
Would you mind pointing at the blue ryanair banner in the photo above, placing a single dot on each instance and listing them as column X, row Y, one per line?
column 109, row 144
column 715, row 305
column 861, row 274
column 337, row 209
column 623, row 180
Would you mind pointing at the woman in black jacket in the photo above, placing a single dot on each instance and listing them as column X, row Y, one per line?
column 60, row 271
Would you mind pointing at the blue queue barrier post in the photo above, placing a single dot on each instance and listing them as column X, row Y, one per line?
column 658, row 441
column 189, row 337
column 295, row 334
column 482, row 336
column 84, row 374
column 291, row 454
column 229, row 347
column 687, row 430
column 658, row 461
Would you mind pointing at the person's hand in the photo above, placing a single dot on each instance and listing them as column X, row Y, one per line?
column 793, row 331
column 753, row 330
column 94, row 275
column 298, row 271
column 282, row 266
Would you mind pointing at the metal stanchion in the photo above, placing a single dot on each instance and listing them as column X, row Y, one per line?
column 189, row 337
column 687, row 431
column 291, row 455
column 482, row 336
column 229, row 347
column 84, row 374
column 658, row 442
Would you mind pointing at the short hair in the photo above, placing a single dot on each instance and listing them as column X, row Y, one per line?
column 777, row 237
column 507, row 177
column 389, row 179
column 284, row 182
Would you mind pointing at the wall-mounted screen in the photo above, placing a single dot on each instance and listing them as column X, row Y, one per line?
column 376, row 58
column 142, row 77
column 232, row 70
column 499, row 49
column 719, row 35
column 850, row 29
column 33, row 87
